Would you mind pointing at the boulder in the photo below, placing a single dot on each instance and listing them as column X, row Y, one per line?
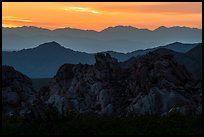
column 17, row 92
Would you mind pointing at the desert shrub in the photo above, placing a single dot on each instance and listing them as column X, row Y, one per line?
column 91, row 124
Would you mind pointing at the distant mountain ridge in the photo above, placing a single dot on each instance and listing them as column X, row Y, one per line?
column 44, row 60
column 176, row 46
column 192, row 59
column 119, row 38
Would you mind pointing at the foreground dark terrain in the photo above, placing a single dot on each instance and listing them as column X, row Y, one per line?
column 159, row 92
column 174, row 124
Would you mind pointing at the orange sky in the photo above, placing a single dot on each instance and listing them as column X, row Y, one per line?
column 99, row 15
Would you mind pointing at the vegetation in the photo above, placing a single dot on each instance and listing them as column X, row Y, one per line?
column 89, row 124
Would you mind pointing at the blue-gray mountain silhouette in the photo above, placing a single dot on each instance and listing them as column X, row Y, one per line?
column 119, row 38
column 44, row 60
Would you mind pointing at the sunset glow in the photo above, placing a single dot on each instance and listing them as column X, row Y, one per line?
column 99, row 15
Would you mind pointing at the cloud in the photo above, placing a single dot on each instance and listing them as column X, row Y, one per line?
column 9, row 25
column 81, row 9
column 157, row 7
column 15, row 19
column 98, row 15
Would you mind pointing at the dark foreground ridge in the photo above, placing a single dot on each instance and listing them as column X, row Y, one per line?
column 154, row 84
column 105, row 98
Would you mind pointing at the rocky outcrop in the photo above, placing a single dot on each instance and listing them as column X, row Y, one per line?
column 154, row 84
column 158, row 84
column 17, row 92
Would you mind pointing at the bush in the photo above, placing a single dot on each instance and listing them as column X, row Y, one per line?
column 91, row 124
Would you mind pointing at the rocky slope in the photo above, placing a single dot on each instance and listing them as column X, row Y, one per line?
column 154, row 84
column 159, row 84
column 17, row 92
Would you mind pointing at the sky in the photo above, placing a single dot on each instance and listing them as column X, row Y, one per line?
column 100, row 15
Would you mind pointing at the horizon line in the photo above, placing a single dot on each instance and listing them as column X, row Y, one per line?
column 102, row 29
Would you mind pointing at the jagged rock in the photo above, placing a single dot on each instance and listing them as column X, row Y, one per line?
column 158, row 101
column 17, row 92
column 105, row 61
column 163, row 82
column 154, row 84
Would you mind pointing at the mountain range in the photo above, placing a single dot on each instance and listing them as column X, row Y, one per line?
column 44, row 60
column 119, row 38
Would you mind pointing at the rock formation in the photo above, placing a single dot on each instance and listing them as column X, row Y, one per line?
column 157, row 83
column 17, row 92
column 154, row 84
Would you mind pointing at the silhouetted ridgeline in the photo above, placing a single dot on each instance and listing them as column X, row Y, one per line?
column 44, row 60
column 118, row 38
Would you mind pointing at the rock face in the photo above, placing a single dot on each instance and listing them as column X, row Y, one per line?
column 17, row 92
column 154, row 84
column 159, row 84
